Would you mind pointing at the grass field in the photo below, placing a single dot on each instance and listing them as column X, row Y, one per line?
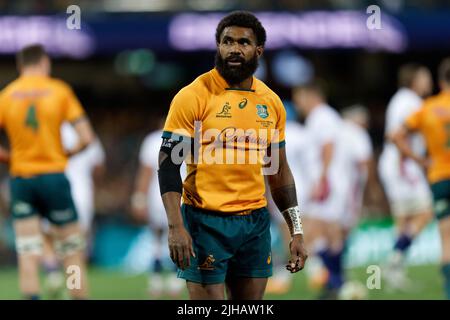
column 107, row 284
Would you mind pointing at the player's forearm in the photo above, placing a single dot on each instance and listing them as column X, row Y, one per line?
column 85, row 134
column 139, row 197
column 282, row 188
column 399, row 138
column 171, row 202
column 327, row 155
column 142, row 180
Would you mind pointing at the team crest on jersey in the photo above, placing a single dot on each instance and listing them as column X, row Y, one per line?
column 225, row 113
column 208, row 264
column 261, row 111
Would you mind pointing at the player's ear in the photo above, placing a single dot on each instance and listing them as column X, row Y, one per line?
column 259, row 51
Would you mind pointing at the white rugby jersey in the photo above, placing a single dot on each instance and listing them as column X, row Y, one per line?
column 80, row 166
column 402, row 104
column 148, row 156
column 323, row 125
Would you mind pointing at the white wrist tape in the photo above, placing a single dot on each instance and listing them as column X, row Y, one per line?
column 293, row 219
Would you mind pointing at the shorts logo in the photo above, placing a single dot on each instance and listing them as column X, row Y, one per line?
column 243, row 103
column 262, row 111
column 22, row 208
column 441, row 207
column 269, row 258
column 208, row 264
column 62, row 215
column 225, row 113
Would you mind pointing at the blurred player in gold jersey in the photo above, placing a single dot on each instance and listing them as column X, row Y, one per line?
column 433, row 121
column 32, row 110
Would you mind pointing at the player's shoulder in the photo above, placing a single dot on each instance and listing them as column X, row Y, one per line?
column 326, row 112
column 10, row 87
column 438, row 99
column 263, row 89
column 405, row 97
column 354, row 129
column 199, row 88
column 6, row 90
column 294, row 127
column 59, row 85
column 153, row 137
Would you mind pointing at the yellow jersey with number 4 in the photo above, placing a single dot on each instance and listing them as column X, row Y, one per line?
column 32, row 110
column 433, row 121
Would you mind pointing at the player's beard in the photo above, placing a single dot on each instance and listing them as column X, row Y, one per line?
column 235, row 75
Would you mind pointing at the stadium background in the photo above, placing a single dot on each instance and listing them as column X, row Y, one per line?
column 130, row 57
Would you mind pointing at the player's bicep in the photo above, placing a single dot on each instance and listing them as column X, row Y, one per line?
column 171, row 156
column 73, row 109
column 182, row 116
column 279, row 137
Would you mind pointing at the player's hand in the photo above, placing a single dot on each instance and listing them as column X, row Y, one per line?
column 321, row 190
column 180, row 246
column 424, row 163
column 298, row 254
column 140, row 214
column 139, row 207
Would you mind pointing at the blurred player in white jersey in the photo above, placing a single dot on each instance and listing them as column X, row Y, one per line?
column 147, row 206
column 297, row 153
column 355, row 158
column 325, row 238
column 404, row 181
column 351, row 166
column 82, row 169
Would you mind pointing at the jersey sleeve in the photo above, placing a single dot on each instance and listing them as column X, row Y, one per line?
column 280, row 137
column 148, row 154
column 74, row 110
column 183, row 113
column 414, row 121
column 2, row 108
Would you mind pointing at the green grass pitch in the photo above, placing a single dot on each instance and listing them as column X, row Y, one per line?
column 109, row 284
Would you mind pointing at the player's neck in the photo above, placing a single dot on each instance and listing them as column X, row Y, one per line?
column 445, row 89
column 244, row 85
column 33, row 72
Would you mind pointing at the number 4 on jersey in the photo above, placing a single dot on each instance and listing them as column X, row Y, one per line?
column 31, row 120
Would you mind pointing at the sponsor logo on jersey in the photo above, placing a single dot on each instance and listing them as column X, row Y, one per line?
column 243, row 103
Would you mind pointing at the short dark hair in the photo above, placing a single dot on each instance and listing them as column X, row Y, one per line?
column 243, row 19
column 30, row 55
column 407, row 73
column 444, row 71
